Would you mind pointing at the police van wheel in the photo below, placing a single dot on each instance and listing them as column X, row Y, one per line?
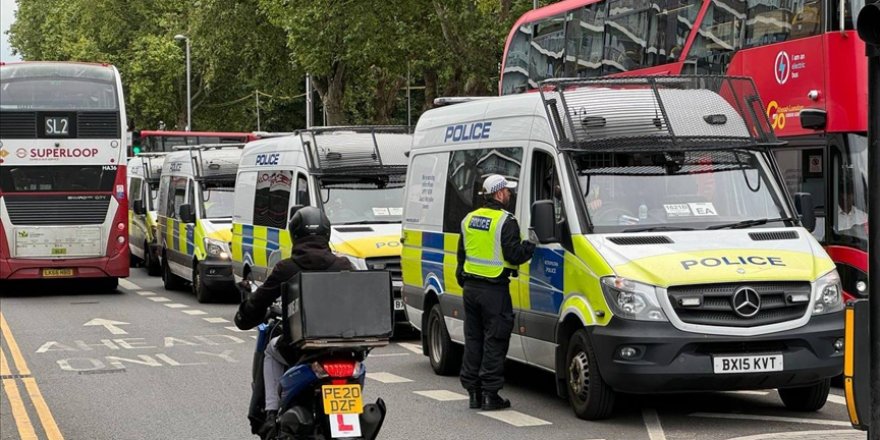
column 809, row 398
column 150, row 262
column 201, row 291
column 589, row 395
column 444, row 354
column 169, row 280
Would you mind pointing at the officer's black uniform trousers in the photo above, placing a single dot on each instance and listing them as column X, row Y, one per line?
column 487, row 327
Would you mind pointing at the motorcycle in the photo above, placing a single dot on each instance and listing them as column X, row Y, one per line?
column 321, row 392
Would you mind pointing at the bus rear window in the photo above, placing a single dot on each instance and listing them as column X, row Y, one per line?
column 57, row 94
column 64, row 178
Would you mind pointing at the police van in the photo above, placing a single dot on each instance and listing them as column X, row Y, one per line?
column 195, row 218
column 671, row 257
column 354, row 174
column 143, row 188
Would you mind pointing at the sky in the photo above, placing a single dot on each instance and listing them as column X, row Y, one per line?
column 7, row 16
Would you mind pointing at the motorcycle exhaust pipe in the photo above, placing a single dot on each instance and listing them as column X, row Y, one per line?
column 372, row 419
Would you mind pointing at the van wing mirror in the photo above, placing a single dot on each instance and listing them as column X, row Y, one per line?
column 803, row 203
column 544, row 221
column 186, row 214
column 138, row 207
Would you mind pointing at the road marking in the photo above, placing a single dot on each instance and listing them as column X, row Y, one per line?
column 770, row 419
column 842, row 434
column 19, row 413
column 515, row 418
column 387, row 377
column 109, row 324
column 175, row 306
column 238, row 330
column 652, row 423
column 194, row 312
column 415, row 348
column 383, row 355
column 442, row 395
column 159, row 299
column 145, row 293
column 752, row 393
column 128, row 285
column 43, row 412
column 834, row 398
column 216, row 320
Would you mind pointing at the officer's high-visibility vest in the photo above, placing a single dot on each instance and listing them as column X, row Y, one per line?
column 481, row 232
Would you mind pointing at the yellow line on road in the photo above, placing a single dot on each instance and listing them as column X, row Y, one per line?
column 19, row 413
column 45, row 415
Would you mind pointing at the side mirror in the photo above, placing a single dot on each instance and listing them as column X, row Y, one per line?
column 186, row 213
column 544, row 221
column 293, row 210
column 138, row 207
column 803, row 203
column 813, row 118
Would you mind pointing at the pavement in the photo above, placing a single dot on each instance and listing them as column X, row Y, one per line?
column 145, row 363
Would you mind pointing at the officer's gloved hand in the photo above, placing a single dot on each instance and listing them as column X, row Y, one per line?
column 533, row 237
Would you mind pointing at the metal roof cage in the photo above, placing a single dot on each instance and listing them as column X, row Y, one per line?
column 335, row 156
column 152, row 165
column 214, row 163
column 656, row 113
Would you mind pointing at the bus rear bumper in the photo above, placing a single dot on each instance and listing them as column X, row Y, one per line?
column 100, row 267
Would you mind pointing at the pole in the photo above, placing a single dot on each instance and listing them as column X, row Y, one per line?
column 257, row 95
column 309, row 109
column 869, row 30
column 188, row 89
column 408, row 99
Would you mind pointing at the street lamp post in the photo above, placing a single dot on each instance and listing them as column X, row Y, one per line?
column 180, row 37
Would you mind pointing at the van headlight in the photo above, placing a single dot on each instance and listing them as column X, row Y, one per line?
column 829, row 294
column 632, row 300
column 356, row 263
column 217, row 249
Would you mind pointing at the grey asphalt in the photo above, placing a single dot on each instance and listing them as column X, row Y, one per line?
column 175, row 375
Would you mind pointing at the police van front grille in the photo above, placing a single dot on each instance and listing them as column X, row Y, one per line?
column 54, row 210
column 716, row 303
column 391, row 264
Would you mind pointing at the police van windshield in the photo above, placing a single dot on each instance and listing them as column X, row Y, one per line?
column 217, row 202
column 635, row 192
column 362, row 201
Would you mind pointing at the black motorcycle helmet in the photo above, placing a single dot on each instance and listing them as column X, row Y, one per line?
column 309, row 221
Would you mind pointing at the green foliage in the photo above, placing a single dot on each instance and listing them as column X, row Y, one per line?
column 359, row 53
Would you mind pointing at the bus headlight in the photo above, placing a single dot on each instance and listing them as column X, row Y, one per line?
column 216, row 249
column 829, row 294
column 632, row 300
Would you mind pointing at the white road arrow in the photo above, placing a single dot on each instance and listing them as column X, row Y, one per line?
column 110, row 325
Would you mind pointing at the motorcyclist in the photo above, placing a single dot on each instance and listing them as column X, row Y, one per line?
column 310, row 232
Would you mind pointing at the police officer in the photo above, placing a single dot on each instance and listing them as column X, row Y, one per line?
column 489, row 252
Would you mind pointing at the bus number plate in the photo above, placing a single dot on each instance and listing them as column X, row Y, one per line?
column 49, row 273
column 59, row 251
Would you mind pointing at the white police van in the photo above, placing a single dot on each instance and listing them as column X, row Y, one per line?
column 671, row 257
column 144, row 171
column 354, row 174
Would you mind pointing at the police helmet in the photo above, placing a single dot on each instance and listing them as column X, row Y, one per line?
column 309, row 221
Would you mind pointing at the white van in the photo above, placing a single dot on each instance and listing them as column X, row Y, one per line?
column 671, row 257
column 354, row 174
column 144, row 171
column 195, row 218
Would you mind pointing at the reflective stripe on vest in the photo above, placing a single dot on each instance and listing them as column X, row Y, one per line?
column 481, row 232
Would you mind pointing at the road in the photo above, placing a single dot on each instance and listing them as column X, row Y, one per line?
column 145, row 363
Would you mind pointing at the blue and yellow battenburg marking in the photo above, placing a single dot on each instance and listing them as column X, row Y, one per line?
column 179, row 236
column 257, row 243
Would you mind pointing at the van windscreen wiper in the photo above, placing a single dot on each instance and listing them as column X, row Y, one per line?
column 658, row 228
column 750, row 223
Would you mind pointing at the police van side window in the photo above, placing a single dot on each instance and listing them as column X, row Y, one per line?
column 302, row 190
column 464, row 182
column 134, row 189
column 546, row 186
column 271, row 198
column 177, row 191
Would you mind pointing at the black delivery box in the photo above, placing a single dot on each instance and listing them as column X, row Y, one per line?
column 339, row 309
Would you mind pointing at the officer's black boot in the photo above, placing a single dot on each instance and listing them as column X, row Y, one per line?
column 492, row 401
column 268, row 431
column 476, row 398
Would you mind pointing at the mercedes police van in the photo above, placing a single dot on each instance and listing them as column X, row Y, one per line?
column 195, row 218
column 354, row 174
column 143, row 188
column 671, row 257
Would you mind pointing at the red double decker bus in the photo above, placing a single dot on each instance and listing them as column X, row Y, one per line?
column 155, row 141
column 63, row 202
column 804, row 55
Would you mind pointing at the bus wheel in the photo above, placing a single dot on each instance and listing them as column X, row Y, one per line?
column 808, row 398
column 169, row 280
column 151, row 263
column 589, row 395
column 201, row 291
column 444, row 354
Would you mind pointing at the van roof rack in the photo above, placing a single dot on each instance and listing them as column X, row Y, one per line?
column 452, row 100
column 330, row 157
column 147, row 160
column 219, row 168
column 656, row 113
